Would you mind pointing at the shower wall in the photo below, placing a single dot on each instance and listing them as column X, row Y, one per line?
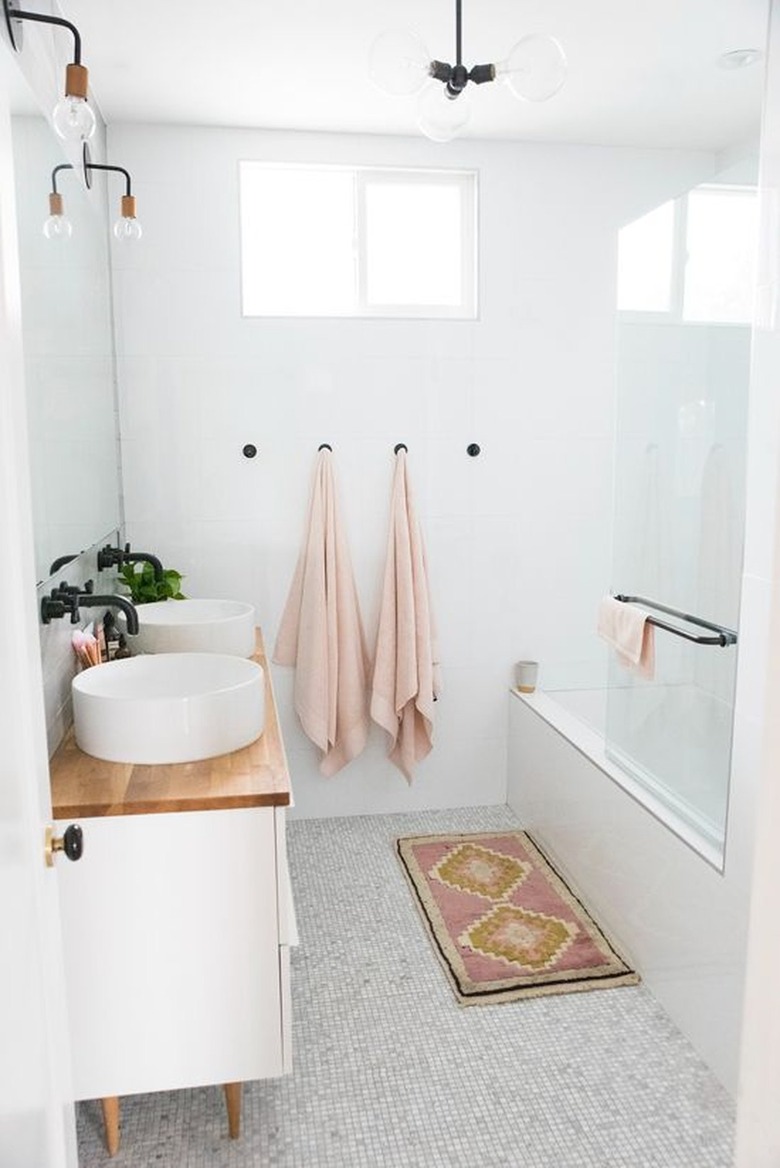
column 682, row 381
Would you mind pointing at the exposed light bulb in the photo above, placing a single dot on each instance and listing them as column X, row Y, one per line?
column 127, row 229
column 399, row 63
column 58, row 227
column 441, row 117
column 73, row 118
column 535, row 69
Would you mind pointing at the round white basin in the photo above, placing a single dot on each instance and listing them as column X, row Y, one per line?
column 196, row 626
column 169, row 707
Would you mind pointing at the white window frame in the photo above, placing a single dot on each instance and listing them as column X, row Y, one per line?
column 466, row 181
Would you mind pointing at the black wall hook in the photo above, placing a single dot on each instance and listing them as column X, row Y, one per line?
column 250, row 450
column 401, row 446
column 473, row 449
column 325, row 446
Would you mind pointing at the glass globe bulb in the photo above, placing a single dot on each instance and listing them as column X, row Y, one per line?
column 440, row 117
column 535, row 69
column 127, row 230
column 73, row 118
column 58, row 227
column 399, row 63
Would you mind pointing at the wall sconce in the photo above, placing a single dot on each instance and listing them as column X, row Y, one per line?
column 72, row 117
column 57, row 226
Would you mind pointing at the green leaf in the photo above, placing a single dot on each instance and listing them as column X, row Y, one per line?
column 145, row 589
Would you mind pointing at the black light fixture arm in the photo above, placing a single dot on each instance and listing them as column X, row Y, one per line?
column 458, row 33
column 55, row 172
column 41, row 18
column 116, row 170
column 456, row 77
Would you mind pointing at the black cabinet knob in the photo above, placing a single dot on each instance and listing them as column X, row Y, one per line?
column 71, row 842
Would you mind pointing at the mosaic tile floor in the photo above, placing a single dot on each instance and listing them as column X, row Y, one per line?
column 391, row 1073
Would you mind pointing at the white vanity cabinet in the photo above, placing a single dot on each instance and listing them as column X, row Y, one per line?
column 175, row 929
column 177, row 920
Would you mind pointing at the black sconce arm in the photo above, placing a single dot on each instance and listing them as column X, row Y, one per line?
column 19, row 14
column 115, row 170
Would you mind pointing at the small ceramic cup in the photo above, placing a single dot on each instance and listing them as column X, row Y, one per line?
column 526, row 674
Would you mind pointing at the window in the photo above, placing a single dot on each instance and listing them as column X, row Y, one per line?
column 344, row 241
column 721, row 247
column 692, row 258
column 645, row 261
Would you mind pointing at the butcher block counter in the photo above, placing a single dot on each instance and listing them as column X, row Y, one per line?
column 256, row 776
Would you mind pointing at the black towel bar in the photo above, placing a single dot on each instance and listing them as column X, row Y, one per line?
column 723, row 636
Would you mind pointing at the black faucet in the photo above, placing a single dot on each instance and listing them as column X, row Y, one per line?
column 64, row 599
column 61, row 561
column 69, row 598
column 89, row 600
column 111, row 557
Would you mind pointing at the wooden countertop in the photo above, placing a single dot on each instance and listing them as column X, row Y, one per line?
column 257, row 776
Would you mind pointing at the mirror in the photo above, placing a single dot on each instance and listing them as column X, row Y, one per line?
column 68, row 351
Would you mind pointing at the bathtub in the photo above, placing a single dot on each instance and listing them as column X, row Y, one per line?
column 651, row 870
column 695, row 738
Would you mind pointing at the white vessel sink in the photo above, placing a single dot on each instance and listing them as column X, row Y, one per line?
column 196, row 626
column 170, row 707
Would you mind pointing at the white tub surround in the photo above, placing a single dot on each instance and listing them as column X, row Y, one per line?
column 680, row 921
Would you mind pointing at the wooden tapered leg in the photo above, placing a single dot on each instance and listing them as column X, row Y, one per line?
column 233, row 1101
column 110, row 1105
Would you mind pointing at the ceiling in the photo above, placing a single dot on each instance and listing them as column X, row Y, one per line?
column 641, row 72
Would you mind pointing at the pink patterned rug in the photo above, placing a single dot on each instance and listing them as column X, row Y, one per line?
column 502, row 922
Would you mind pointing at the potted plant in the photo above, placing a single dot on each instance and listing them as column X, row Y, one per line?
column 144, row 588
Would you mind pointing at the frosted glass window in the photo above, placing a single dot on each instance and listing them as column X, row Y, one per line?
column 721, row 255
column 645, row 261
column 354, row 241
column 414, row 252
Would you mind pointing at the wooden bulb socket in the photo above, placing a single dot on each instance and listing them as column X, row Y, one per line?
column 128, row 207
column 76, row 81
column 55, row 204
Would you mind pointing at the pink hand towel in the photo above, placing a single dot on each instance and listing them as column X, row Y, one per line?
column 405, row 682
column 321, row 633
column 626, row 628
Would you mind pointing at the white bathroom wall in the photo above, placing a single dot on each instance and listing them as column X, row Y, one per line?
column 758, row 693
column 518, row 538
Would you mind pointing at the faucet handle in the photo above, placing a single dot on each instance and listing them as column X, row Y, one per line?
column 61, row 600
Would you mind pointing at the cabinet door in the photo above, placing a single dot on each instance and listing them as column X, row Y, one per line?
column 172, row 960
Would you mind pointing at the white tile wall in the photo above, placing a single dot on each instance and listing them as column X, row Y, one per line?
column 758, row 695
column 518, row 538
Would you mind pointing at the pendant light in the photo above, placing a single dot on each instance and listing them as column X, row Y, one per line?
column 400, row 65
column 72, row 117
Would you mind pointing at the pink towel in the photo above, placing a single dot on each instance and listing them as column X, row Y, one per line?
column 626, row 628
column 321, row 633
column 405, row 682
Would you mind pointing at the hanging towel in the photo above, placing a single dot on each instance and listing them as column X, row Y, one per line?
column 406, row 675
column 321, row 633
column 626, row 628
